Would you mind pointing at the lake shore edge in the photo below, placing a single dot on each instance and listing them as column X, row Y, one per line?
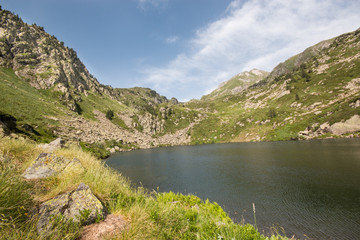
column 153, row 216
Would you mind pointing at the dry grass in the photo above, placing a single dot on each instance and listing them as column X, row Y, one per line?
column 150, row 215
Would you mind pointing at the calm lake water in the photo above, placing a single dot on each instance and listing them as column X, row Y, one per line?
column 310, row 188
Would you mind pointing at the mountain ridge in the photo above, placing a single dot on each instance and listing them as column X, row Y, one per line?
column 237, row 83
column 47, row 89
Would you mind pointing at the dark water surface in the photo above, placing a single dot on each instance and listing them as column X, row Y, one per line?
column 310, row 188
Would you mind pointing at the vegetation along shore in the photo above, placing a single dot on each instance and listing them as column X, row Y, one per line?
column 64, row 191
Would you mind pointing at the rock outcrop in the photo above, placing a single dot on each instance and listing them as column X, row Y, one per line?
column 45, row 62
column 80, row 205
column 47, row 165
column 349, row 126
column 314, row 131
column 54, row 145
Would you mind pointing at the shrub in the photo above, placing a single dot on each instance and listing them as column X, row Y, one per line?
column 272, row 113
column 109, row 114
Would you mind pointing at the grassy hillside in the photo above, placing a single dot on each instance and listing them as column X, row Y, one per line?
column 47, row 87
column 150, row 215
column 322, row 88
column 315, row 88
column 237, row 84
column 28, row 105
column 43, row 110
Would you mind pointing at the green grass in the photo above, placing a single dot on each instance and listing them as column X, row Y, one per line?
column 306, row 87
column 151, row 215
column 28, row 105
column 101, row 103
column 179, row 118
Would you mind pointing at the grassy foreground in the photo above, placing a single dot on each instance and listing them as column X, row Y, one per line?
column 150, row 215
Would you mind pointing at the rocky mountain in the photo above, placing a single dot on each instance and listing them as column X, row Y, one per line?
column 43, row 61
column 311, row 95
column 237, row 84
column 54, row 81
column 47, row 92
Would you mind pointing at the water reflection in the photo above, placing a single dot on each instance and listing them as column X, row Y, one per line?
column 307, row 187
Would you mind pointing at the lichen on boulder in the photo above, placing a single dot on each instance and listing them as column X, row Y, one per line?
column 80, row 206
column 74, row 166
column 46, row 165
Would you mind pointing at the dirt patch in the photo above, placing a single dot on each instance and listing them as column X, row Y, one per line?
column 112, row 226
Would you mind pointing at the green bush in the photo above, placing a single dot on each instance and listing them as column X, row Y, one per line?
column 97, row 149
column 109, row 114
column 272, row 113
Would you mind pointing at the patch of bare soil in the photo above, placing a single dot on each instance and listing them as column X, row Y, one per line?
column 112, row 226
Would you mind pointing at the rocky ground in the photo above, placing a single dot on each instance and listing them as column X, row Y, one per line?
column 81, row 129
column 79, row 205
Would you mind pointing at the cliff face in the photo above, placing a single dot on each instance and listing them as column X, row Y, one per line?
column 46, row 63
column 43, row 61
column 40, row 60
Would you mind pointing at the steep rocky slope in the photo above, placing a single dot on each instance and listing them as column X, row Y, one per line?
column 48, row 91
column 43, row 61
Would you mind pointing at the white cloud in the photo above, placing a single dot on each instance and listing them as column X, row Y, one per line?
column 143, row 4
column 171, row 40
column 255, row 34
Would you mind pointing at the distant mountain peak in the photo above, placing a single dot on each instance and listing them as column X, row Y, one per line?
column 237, row 83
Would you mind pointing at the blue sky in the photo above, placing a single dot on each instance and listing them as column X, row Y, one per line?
column 186, row 48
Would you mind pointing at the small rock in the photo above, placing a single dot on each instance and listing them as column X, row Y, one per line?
column 54, row 145
column 325, row 126
column 13, row 135
column 355, row 104
column 315, row 125
column 304, row 133
column 72, row 206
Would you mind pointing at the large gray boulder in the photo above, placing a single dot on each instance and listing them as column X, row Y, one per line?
column 48, row 164
column 350, row 125
column 80, row 205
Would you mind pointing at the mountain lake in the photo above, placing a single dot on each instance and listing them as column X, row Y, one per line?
column 310, row 189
